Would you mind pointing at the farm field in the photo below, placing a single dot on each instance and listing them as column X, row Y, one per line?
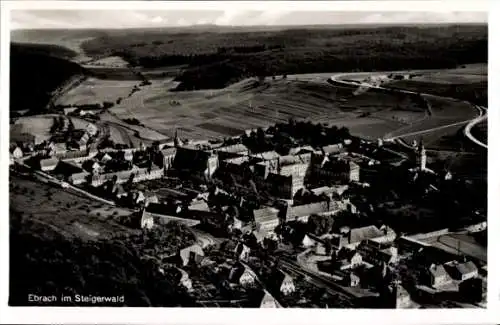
column 40, row 125
column 249, row 104
column 92, row 91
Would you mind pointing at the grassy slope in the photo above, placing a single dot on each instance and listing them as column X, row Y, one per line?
column 54, row 251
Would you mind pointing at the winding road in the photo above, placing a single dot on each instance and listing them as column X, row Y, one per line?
column 467, row 131
column 483, row 115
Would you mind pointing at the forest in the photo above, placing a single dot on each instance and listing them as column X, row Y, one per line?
column 35, row 72
column 45, row 262
column 216, row 59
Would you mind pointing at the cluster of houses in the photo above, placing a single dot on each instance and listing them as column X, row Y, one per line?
column 75, row 145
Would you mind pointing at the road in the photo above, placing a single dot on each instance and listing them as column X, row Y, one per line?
column 483, row 115
column 471, row 122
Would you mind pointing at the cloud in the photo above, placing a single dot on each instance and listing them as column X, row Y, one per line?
column 157, row 20
column 230, row 17
column 182, row 22
column 145, row 18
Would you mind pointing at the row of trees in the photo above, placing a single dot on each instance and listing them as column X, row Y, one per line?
column 284, row 136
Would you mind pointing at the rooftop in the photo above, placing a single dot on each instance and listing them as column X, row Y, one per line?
column 268, row 155
column 356, row 235
column 307, row 209
column 265, row 214
column 235, row 148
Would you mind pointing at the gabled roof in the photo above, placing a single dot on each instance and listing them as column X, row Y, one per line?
column 298, row 150
column 49, row 162
column 466, row 268
column 268, row 301
column 333, row 148
column 265, row 214
column 307, row 209
column 235, row 148
column 437, row 271
column 73, row 154
column 259, row 235
column 358, row 234
column 79, row 176
column 168, row 151
column 185, row 252
column 268, row 155
column 60, row 146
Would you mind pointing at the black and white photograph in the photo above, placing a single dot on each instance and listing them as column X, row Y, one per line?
column 247, row 158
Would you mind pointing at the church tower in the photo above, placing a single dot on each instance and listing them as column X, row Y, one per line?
column 422, row 156
column 177, row 142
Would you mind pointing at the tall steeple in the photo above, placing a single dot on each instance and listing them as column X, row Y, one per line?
column 177, row 141
column 422, row 156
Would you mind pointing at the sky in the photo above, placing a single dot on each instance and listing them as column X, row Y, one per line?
column 34, row 19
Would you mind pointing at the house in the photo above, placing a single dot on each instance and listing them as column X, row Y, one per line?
column 151, row 199
column 268, row 301
column 299, row 150
column 400, row 298
column 287, row 286
column 356, row 235
column 330, row 191
column 58, row 149
column 69, row 110
column 128, row 155
column 332, row 149
column 232, row 151
column 17, row 152
column 91, row 129
column 105, row 158
column 350, row 279
column 266, row 219
column 266, row 156
column 193, row 253
column 334, row 169
column 168, row 157
column 308, row 241
column 147, row 221
column 462, row 271
column 259, row 236
column 242, row 251
column 347, row 259
column 247, row 279
column 302, row 212
column 237, row 223
column 118, row 190
column 437, row 276
column 185, row 281
column 242, row 275
column 199, row 206
column 83, row 141
column 78, row 178
column 48, row 164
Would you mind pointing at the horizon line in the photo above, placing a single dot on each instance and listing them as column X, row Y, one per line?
column 359, row 24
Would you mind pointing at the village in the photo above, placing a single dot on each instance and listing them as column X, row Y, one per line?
column 280, row 220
